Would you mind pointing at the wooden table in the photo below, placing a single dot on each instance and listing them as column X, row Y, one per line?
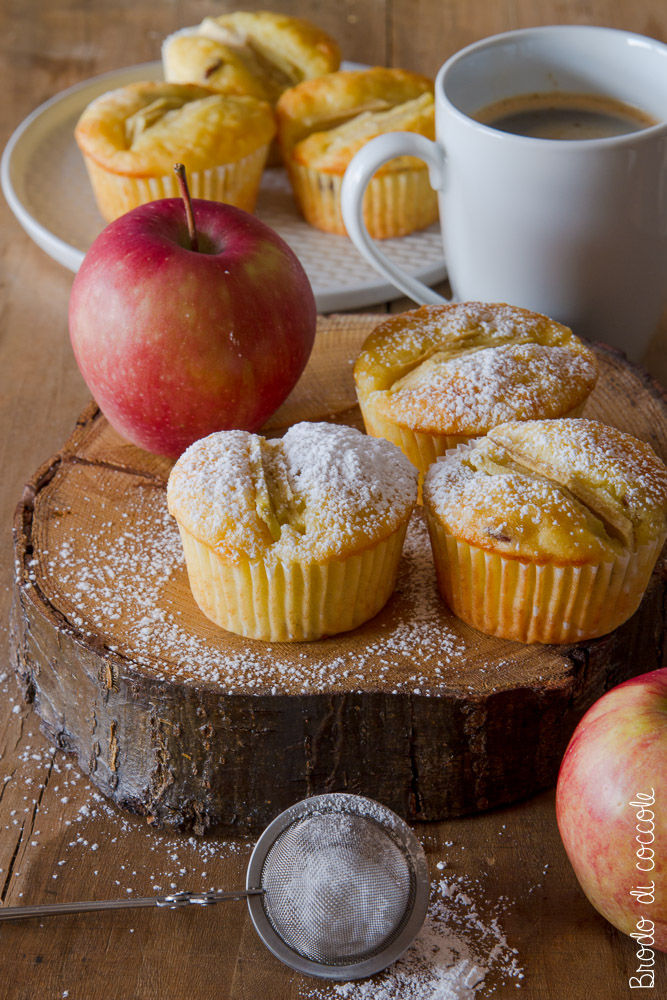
column 58, row 839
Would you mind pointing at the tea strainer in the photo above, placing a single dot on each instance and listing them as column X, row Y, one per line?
column 337, row 886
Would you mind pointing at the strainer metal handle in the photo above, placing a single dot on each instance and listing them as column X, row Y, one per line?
column 338, row 806
column 172, row 901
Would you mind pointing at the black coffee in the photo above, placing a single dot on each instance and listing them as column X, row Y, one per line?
column 564, row 116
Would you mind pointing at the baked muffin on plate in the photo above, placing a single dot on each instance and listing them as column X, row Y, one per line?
column 293, row 538
column 547, row 530
column 260, row 53
column 131, row 138
column 322, row 123
column 435, row 377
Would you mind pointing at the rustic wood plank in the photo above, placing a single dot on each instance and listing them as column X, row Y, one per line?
column 421, row 36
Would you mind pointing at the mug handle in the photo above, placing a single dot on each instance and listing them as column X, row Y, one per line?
column 355, row 181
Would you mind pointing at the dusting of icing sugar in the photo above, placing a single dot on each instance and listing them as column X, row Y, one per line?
column 608, row 459
column 469, row 393
column 150, row 616
column 510, row 511
column 461, row 952
column 321, row 491
column 458, row 325
column 561, row 490
column 457, row 952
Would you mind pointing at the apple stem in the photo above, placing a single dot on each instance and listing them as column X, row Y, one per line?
column 179, row 170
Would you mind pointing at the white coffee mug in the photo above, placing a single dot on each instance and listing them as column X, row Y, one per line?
column 576, row 229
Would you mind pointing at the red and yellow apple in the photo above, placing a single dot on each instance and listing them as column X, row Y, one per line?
column 611, row 805
column 175, row 342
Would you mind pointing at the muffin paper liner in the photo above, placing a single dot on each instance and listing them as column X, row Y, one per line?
column 396, row 202
column 422, row 449
column 539, row 602
column 234, row 183
column 292, row 601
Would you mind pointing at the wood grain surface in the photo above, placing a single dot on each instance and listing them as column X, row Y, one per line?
column 57, row 841
column 178, row 720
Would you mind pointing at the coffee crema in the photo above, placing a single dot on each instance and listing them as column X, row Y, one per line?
column 558, row 115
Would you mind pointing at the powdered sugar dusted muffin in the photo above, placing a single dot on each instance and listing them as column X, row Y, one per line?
column 547, row 530
column 294, row 538
column 438, row 376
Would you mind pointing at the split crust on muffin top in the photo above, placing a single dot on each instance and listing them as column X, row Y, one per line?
column 142, row 129
column 322, row 491
column 356, row 98
column 330, row 151
column 563, row 491
column 462, row 369
column 261, row 53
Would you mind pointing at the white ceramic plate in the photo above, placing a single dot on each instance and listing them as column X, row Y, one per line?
column 47, row 188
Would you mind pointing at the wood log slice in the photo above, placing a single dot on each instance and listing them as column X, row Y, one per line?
column 200, row 729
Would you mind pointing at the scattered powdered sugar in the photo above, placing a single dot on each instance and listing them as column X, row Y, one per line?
column 91, row 831
column 461, row 952
column 148, row 615
column 461, row 948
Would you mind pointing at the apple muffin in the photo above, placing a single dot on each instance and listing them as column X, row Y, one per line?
column 435, row 377
column 293, row 538
column 260, row 53
column 131, row 138
column 322, row 123
column 547, row 530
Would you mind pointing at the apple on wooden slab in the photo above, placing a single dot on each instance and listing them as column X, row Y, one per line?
column 188, row 317
column 611, row 806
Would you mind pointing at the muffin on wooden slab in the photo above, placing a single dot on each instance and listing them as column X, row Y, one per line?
column 437, row 376
column 294, row 538
column 260, row 53
column 131, row 138
column 322, row 123
column 547, row 530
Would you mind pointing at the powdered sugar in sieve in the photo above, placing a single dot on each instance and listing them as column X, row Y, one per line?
column 345, row 886
column 337, row 887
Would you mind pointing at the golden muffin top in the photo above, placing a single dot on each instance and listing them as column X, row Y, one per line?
column 331, row 151
column 329, row 102
column 567, row 491
column 320, row 492
column 143, row 129
column 462, row 369
column 260, row 53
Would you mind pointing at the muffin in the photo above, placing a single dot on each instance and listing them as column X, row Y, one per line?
column 131, row 138
column 547, row 530
column 259, row 53
column 438, row 376
column 294, row 538
column 322, row 123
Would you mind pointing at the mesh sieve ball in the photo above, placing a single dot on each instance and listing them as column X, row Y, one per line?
column 345, row 886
